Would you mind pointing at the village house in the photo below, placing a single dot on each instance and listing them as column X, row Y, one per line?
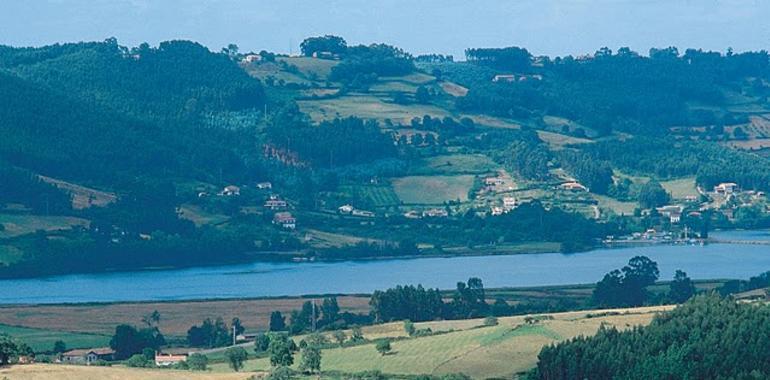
column 726, row 188
column 87, row 356
column 494, row 181
column 362, row 213
column 435, row 213
column 573, row 186
column 345, row 209
column 264, row 186
column 497, row 210
column 412, row 214
column 251, row 58
column 672, row 212
column 230, row 191
column 509, row 203
column 325, row 55
column 504, row 78
column 275, row 203
column 285, row 220
column 167, row 360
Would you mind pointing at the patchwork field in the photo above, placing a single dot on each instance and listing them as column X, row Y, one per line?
column 432, row 189
column 16, row 224
column 367, row 107
column 499, row 351
column 42, row 340
column 82, row 197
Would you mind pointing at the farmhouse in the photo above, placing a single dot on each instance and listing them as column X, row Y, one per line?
column 497, row 210
column 363, row 213
column 504, row 78
column 345, row 209
column 325, row 55
column 573, row 186
column 275, row 203
column 251, row 58
column 509, row 203
column 166, row 360
column 412, row 214
column 285, row 220
column 494, row 181
column 230, row 191
column 264, row 186
column 435, row 213
column 672, row 212
column 87, row 356
column 726, row 188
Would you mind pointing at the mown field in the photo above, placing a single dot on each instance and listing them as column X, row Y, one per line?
column 432, row 190
column 43, row 339
column 499, row 351
column 70, row 372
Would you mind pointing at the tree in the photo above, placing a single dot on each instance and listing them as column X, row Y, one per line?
column 330, row 310
column 209, row 334
column 128, row 341
column 9, row 348
column 311, row 359
column 681, row 288
column 422, row 95
column 235, row 357
column 59, row 347
column 652, row 194
column 383, row 346
column 327, row 43
column 280, row 373
column 280, row 350
column 137, row 361
column 277, row 321
column 236, row 323
column 151, row 319
column 628, row 286
column 357, row 335
column 261, row 343
column 409, row 327
column 197, row 362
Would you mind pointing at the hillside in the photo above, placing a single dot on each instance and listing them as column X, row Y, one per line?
column 136, row 154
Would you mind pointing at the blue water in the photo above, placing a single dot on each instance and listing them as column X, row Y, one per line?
column 278, row 279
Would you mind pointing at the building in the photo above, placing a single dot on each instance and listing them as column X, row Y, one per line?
column 230, row 191
column 345, row 209
column 325, row 55
column 251, row 58
column 509, row 203
column 264, row 186
column 672, row 212
column 285, row 220
column 363, row 213
column 87, row 356
column 412, row 214
column 726, row 188
column 504, row 78
column 497, row 210
column 275, row 203
column 167, row 360
column 493, row 181
column 435, row 213
column 573, row 186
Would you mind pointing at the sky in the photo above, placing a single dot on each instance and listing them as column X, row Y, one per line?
column 549, row 27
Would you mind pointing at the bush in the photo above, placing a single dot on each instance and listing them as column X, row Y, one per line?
column 197, row 362
column 280, row 373
column 490, row 321
column 137, row 361
column 383, row 346
column 409, row 327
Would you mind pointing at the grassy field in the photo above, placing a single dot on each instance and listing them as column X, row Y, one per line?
column 457, row 164
column 367, row 107
column 10, row 254
column 680, row 188
column 480, row 352
column 320, row 68
column 323, row 239
column 82, row 197
column 614, row 205
column 453, row 89
column 70, row 372
column 16, row 224
column 176, row 317
column 42, row 340
column 200, row 216
column 558, row 141
column 432, row 189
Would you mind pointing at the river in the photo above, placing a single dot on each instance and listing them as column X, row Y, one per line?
column 289, row 279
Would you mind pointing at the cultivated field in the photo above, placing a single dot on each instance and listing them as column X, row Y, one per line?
column 70, row 372
column 558, row 141
column 16, row 225
column 453, row 89
column 321, row 68
column 43, row 340
column 82, row 197
column 467, row 346
column 367, row 107
column 432, row 189
column 200, row 216
column 176, row 317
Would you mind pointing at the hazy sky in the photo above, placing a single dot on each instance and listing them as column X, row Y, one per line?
column 419, row 26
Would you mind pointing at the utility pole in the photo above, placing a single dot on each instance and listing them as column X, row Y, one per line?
column 234, row 337
column 313, row 315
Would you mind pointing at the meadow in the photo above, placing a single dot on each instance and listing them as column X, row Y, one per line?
column 18, row 224
column 41, row 340
column 71, row 372
column 432, row 190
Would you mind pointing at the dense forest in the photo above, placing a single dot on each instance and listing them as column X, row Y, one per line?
column 707, row 338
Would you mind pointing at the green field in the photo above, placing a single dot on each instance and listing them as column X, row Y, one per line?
column 432, row 189
column 680, row 188
column 467, row 346
column 320, row 68
column 614, row 205
column 16, row 225
column 457, row 164
column 10, row 254
column 42, row 340
column 367, row 106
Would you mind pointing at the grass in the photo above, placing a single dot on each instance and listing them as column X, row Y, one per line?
column 557, row 141
column 201, row 217
column 616, row 206
column 309, row 66
column 71, row 372
column 457, row 164
column 432, row 189
column 323, row 239
column 10, row 254
column 16, row 224
column 481, row 352
column 41, row 340
column 680, row 188
column 367, row 106
column 82, row 197
column 453, row 89
column 378, row 196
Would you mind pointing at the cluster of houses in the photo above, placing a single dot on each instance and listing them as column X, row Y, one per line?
column 511, row 78
column 429, row 213
column 106, row 354
column 509, row 203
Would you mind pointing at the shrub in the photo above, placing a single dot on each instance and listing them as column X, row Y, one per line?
column 490, row 321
